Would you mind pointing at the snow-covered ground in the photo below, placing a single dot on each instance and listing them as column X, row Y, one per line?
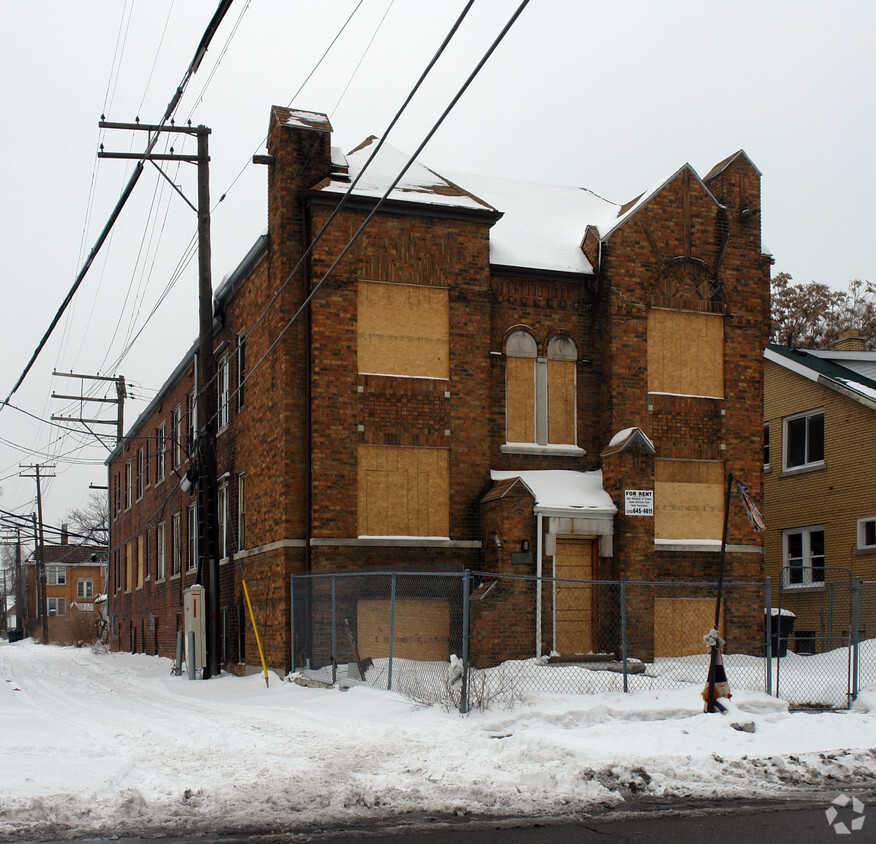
column 94, row 743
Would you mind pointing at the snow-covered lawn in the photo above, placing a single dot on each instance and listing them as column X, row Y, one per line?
column 98, row 742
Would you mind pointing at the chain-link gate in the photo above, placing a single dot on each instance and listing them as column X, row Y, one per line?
column 816, row 630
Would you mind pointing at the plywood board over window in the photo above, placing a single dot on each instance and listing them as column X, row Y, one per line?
column 679, row 624
column 561, row 401
column 403, row 329
column 403, row 491
column 420, row 628
column 688, row 499
column 520, row 392
column 685, row 353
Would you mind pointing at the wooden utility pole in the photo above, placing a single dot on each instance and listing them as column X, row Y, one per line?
column 208, row 563
column 39, row 549
column 119, row 401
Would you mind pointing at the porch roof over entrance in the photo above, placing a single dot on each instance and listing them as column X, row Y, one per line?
column 558, row 491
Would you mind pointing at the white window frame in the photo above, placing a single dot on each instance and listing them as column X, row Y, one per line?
column 176, row 544
column 806, row 580
column 129, row 471
column 222, row 514
column 160, row 453
column 84, row 587
column 807, row 462
column 192, row 537
column 176, row 433
column 160, row 551
column 241, row 369
column 766, row 446
column 56, row 575
column 56, row 606
column 191, row 420
column 241, row 511
column 863, row 545
column 141, row 472
column 223, row 397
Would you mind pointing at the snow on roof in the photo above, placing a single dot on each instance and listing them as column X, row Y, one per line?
column 543, row 225
column 307, row 120
column 827, row 369
column 419, row 183
column 562, row 488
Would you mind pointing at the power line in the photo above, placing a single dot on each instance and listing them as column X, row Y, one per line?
column 135, row 176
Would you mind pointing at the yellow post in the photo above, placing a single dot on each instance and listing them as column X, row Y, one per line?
column 255, row 630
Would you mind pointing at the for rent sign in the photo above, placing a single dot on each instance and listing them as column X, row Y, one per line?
column 639, row 502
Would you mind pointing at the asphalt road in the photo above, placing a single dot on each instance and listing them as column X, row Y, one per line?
column 802, row 820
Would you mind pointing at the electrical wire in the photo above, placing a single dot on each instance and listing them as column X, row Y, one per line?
column 170, row 110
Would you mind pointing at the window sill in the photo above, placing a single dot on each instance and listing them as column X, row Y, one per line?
column 860, row 552
column 534, row 448
column 804, row 587
column 802, row 470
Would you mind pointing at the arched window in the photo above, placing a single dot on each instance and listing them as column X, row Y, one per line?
column 540, row 393
column 520, row 355
column 561, row 356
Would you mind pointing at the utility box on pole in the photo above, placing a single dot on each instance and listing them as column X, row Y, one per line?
column 195, row 614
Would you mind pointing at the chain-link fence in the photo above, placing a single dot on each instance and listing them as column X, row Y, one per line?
column 467, row 639
column 820, row 647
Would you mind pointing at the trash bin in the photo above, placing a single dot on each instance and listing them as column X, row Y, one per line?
column 16, row 634
column 781, row 627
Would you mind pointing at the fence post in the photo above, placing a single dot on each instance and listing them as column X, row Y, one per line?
column 334, row 638
column 856, row 636
column 463, row 689
column 623, row 620
column 391, row 630
column 190, row 656
column 768, row 633
column 292, row 621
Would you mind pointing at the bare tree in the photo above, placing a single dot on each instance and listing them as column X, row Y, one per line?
column 813, row 316
column 89, row 524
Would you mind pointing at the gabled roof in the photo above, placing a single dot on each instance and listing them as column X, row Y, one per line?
column 630, row 208
column 626, row 439
column 827, row 371
column 721, row 166
column 73, row 554
column 577, row 493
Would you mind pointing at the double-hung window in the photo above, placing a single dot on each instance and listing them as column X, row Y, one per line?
column 176, row 433
column 867, row 534
column 223, row 391
column 222, row 511
column 192, row 532
column 55, row 606
column 803, row 556
column 241, row 369
column 84, row 587
column 160, row 552
column 160, row 449
column 56, row 575
column 141, row 471
column 803, row 439
column 175, row 543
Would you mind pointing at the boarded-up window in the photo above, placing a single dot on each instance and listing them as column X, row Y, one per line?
column 140, row 559
column 678, row 625
column 540, row 392
column 420, row 629
column 561, row 391
column 403, row 329
column 520, row 388
column 685, row 353
column 688, row 499
column 403, row 491
column 129, row 566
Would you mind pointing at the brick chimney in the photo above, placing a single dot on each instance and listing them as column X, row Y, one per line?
column 849, row 341
column 65, row 537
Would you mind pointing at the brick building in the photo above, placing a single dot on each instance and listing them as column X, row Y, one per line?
column 483, row 344
column 75, row 576
column 819, row 420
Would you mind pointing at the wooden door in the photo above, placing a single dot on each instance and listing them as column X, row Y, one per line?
column 573, row 608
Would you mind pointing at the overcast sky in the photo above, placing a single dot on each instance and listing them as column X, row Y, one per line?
column 612, row 96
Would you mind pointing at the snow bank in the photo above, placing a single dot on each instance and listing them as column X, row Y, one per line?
column 112, row 743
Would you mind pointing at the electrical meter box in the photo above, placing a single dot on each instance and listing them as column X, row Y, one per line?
column 195, row 615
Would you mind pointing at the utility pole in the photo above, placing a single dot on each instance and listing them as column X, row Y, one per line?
column 208, row 564
column 119, row 401
column 17, row 586
column 39, row 550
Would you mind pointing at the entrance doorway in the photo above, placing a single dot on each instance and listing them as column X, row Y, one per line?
column 573, row 602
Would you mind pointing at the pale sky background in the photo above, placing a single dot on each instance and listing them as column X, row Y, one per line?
column 611, row 96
